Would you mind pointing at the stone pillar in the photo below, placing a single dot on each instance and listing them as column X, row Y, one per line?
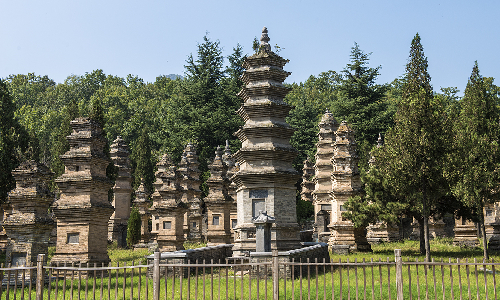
column 27, row 225
column 218, row 203
column 465, row 234
column 323, row 175
column 346, row 182
column 142, row 203
column 117, row 228
column 266, row 178
column 189, row 186
column 83, row 210
column 168, row 210
column 263, row 224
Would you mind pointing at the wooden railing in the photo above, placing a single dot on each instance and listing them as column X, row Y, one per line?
column 343, row 279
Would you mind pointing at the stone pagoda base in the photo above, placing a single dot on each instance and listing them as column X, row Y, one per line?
column 344, row 233
column 382, row 232
column 494, row 241
column 466, row 236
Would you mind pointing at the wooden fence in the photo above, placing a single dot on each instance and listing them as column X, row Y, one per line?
column 238, row 279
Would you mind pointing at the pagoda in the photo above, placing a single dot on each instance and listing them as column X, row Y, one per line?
column 122, row 192
column 218, row 203
column 266, row 179
column 231, row 187
column 142, row 203
column 167, row 209
column 346, row 182
column 190, row 193
column 28, row 225
column 323, row 176
column 82, row 212
column 307, row 184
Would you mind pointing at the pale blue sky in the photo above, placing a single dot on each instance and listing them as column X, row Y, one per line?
column 150, row 38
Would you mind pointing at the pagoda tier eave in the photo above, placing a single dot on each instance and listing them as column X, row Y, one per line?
column 268, row 153
column 263, row 58
column 273, row 130
column 243, row 179
column 264, row 108
column 264, row 73
column 265, row 89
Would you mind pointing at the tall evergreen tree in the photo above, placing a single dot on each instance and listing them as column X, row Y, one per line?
column 203, row 109
column 133, row 227
column 61, row 145
column 144, row 164
column 412, row 160
column 477, row 155
column 361, row 102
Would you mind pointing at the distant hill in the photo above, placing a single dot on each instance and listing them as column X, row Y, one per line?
column 174, row 76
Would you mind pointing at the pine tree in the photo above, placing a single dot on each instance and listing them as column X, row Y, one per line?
column 61, row 145
column 361, row 102
column 133, row 227
column 477, row 155
column 414, row 154
column 144, row 165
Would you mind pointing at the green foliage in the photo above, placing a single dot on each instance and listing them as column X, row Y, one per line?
column 13, row 141
column 144, row 168
column 133, row 227
column 194, row 245
column 202, row 111
column 476, row 158
column 305, row 211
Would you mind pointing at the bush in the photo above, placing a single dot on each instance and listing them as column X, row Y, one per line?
column 133, row 227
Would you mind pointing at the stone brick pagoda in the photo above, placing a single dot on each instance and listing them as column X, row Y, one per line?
column 307, row 185
column 323, row 176
column 218, row 203
column 117, row 230
column 266, row 179
column 28, row 226
column 142, row 202
column 231, row 169
column 346, row 182
column 191, row 193
column 83, row 210
column 168, row 210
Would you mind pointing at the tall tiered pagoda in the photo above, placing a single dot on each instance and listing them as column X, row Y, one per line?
column 117, row 230
column 167, row 210
column 266, row 179
column 83, row 209
column 191, row 193
column 218, row 203
column 28, row 224
column 323, row 176
column 346, row 182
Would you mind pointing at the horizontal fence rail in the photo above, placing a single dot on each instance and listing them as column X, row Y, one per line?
column 395, row 278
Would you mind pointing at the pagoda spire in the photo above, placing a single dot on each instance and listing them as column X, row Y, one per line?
column 264, row 41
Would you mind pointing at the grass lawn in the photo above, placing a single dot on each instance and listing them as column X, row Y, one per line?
column 318, row 283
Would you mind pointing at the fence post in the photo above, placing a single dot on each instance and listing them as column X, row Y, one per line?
column 156, row 276
column 399, row 274
column 39, row 276
column 276, row 275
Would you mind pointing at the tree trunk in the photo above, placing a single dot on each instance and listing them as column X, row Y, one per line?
column 421, row 235
column 483, row 232
column 426, row 229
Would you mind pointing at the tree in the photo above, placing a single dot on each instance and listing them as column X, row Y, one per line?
column 202, row 111
column 361, row 102
column 144, row 166
column 133, row 227
column 477, row 155
column 414, row 153
column 61, row 145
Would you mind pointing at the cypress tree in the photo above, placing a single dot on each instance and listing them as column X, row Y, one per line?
column 477, row 155
column 8, row 141
column 144, row 164
column 413, row 157
column 133, row 227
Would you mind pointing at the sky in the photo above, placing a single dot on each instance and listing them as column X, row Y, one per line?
column 149, row 38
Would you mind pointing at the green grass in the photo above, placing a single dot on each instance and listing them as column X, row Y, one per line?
column 312, row 284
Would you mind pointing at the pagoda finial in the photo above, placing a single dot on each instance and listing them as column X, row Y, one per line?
column 379, row 140
column 264, row 41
